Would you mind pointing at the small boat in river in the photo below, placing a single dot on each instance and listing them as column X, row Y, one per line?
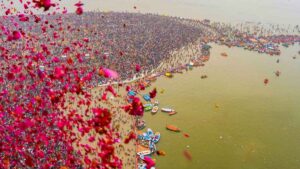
column 141, row 124
column 142, row 150
column 146, row 97
column 172, row 113
column 173, row 128
column 277, row 73
column 224, row 54
column 161, row 153
column 167, row 110
column 131, row 93
column 203, row 76
column 156, row 137
column 154, row 110
column 285, row 45
column 168, row 74
column 148, row 107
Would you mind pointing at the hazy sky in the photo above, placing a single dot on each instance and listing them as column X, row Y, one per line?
column 274, row 11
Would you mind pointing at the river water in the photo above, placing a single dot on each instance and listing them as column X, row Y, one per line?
column 233, row 119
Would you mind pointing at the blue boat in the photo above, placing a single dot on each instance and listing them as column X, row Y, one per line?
column 142, row 166
column 147, row 97
column 152, row 147
column 148, row 105
column 131, row 93
column 150, row 132
column 156, row 137
column 144, row 137
column 148, row 135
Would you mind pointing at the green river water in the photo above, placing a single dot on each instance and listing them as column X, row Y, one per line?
column 255, row 126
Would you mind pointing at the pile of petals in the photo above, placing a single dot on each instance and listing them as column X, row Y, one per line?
column 135, row 108
column 37, row 83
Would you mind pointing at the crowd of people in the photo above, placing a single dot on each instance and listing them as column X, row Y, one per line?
column 125, row 42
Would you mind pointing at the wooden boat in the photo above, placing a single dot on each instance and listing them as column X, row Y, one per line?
column 131, row 93
column 204, row 58
column 143, row 153
column 168, row 74
column 156, row 137
column 285, row 45
column 224, row 54
column 206, row 47
column 167, row 110
column 148, row 107
column 141, row 148
column 198, row 64
column 203, row 76
column 172, row 113
column 141, row 124
column 173, row 128
column 154, row 110
column 140, row 132
column 148, row 104
column 146, row 97
column 149, row 132
column 277, row 73
column 161, row 153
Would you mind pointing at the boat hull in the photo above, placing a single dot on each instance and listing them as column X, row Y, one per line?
column 154, row 110
column 173, row 128
column 167, row 110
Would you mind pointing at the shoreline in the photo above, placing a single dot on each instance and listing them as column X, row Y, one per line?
column 166, row 65
column 178, row 61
